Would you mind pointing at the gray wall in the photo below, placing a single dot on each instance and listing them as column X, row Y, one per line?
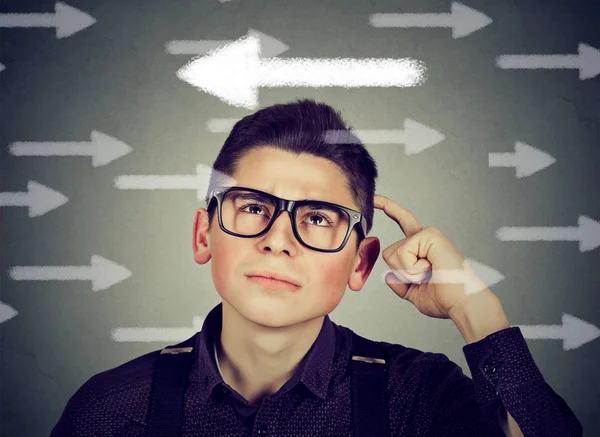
column 116, row 77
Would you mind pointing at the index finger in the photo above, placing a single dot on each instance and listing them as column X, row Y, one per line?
column 403, row 217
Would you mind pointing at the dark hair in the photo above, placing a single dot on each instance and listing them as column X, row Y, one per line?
column 300, row 127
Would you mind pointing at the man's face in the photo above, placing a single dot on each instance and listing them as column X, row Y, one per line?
column 322, row 276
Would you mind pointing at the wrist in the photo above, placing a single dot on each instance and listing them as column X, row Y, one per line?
column 479, row 316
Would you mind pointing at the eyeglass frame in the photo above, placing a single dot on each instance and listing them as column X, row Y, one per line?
column 291, row 206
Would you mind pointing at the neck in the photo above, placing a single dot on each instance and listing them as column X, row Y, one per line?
column 257, row 360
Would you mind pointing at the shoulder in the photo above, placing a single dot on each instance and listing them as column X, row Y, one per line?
column 122, row 391
column 414, row 367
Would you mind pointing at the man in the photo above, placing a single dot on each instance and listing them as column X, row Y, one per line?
column 269, row 361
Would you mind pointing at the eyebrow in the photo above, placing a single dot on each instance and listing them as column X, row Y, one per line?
column 251, row 196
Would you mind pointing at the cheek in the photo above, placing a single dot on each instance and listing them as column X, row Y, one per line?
column 223, row 262
column 333, row 282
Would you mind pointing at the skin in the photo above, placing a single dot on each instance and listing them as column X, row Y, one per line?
column 265, row 334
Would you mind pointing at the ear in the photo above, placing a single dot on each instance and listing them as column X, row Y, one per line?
column 367, row 255
column 201, row 237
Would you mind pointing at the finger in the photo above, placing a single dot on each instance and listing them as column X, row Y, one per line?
column 403, row 217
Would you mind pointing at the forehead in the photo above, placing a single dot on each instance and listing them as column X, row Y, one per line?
column 294, row 177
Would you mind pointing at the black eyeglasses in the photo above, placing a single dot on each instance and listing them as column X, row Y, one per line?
column 338, row 221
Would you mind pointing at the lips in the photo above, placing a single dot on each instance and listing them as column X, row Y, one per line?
column 277, row 276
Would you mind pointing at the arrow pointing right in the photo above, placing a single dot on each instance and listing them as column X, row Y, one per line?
column 269, row 46
column 39, row 198
column 588, row 61
column 527, row 160
column 574, row 332
column 2, row 68
column 102, row 148
column 463, row 20
column 102, row 272
column 416, row 136
column 588, row 233
column 66, row 19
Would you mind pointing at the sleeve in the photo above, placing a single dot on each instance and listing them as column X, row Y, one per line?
column 504, row 378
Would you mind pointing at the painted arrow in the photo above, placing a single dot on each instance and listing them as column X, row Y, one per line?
column 102, row 272
column 2, row 68
column 65, row 18
column 234, row 72
column 462, row 19
column 527, row 160
column 269, row 46
column 485, row 276
column 198, row 182
column 7, row 312
column 587, row 233
column 165, row 334
column 102, row 148
column 416, row 136
column 587, row 61
column 574, row 332
column 39, row 198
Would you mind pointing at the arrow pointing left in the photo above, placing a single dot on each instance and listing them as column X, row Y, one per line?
column 66, row 19
column 39, row 198
column 102, row 148
column 102, row 272
column 235, row 71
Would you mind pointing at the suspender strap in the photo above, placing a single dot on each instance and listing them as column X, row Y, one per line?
column 165, row 412
column 369, row 387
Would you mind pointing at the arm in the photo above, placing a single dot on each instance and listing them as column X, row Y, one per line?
column 508, row 386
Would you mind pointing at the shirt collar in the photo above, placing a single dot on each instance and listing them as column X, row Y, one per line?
column 314, row 371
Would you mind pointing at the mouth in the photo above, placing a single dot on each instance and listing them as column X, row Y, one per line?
column 274, row 284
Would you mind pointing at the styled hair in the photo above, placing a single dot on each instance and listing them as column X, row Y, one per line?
column 300, row 127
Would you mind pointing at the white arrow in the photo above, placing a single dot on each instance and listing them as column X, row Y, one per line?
column 234, row 72
column 39, row 198
column 574, row 332
column 588, row 233
column 102, row 148
column 199, row 182
column 587, row 61
column 165, row 334
column 527, row 160
column 6, row 312
column 2, row 68
column 269, row 46
column 66, row 19
column 463, row 20
column 485, row 276
column 416, row 136
column 102, row 272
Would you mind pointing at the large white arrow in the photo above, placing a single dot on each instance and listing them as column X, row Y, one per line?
column 66, row 19
column 587, row 233
column 2, row 68
column 165, row 334
column 463, row 20
column 527, row 160
column 574, row 332
column 39, row 198
column 198, row 182
column 587, row 61
column 269, row 46
column 485, row 276
column 102, row 272
column 234, row 72
column 102, row 148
